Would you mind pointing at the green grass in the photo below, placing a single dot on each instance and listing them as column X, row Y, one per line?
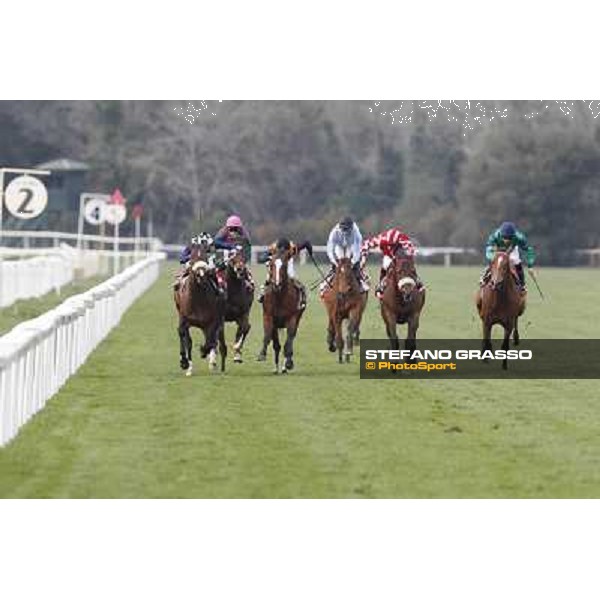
column 129, row 424
column 23, row 310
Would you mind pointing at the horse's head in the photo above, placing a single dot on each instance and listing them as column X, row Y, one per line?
column 405, row 275
column 237, row 265
column 500, row 269
column 345, row 281
column 278, row 273
column 200, row 271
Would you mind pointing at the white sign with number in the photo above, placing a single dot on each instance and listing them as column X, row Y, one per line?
column 115, row 213
column 94, row 208
column 26, row 197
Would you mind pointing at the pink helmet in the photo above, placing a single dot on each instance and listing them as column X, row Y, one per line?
column 234, row 221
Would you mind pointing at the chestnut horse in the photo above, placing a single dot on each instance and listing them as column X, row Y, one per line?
column 239, row 300
column 500, row 302
column 199, row 305
column 280, row 311
column 344, row 300
column 402, row 301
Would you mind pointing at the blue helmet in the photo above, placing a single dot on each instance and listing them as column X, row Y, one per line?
column 507, row 229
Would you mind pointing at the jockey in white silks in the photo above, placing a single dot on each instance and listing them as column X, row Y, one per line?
column 345, row 240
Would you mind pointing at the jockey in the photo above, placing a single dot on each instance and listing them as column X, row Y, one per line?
column 389, row 242
column 206, row 248
column 506, row 237
column 289, row 250
column 234, row 232
column 345, row 239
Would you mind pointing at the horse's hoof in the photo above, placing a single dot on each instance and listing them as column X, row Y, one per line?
column 332, row 348
column 188, row 373
column 347, row 358
column 238, row 360
column 184, row 363
column 289, row 364
column 261, row 357
column 275, row 371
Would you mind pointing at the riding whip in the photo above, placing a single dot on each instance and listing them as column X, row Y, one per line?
column 536, row 284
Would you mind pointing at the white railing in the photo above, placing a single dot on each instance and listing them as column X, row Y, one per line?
column 33, row 277
column 38, row 356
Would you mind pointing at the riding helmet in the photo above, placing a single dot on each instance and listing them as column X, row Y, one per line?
column 346, row 223
column 507, row 229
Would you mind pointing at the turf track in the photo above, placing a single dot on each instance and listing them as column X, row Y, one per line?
column 130, row 425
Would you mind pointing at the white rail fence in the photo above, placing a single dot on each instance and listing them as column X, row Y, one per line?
column 38, row 356
column 33, row 263
column 33, row 277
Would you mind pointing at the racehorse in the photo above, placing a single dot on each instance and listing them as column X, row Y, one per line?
column 344, row 300
column 402, row 301
column 500, row 302
column 200, row 305
column 239, row 300
column 280, row 310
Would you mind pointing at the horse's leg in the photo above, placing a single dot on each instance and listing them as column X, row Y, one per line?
column 211, row 334
column 240, row 337
column 268, row 327
column 390, row 329
column 351, row 334
column 339, row 339
column 487, row 337
column 183, row 331
column 288, row 348
column 411, row 335
column 331, row 336
column 276, row 349
column 222, row 346
column 508, row 327
column 516, row 336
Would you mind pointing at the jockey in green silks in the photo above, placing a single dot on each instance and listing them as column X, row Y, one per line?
column 508, row 237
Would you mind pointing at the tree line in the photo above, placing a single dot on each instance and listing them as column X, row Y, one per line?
column 446, row 172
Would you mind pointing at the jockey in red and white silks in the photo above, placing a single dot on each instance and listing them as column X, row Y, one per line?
column 389, row 242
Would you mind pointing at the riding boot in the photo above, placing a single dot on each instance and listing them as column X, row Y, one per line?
column 381, row 284
column 364, row 286
column 261, row 294
column 485, row 276
column 521, row 276
column 302, row 295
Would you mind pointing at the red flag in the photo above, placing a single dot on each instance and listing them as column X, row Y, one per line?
column 137, row 211
column 117, row 197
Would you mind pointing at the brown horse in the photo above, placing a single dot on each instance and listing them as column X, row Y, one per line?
column 500, row 302
column 239, row 300
column 200, row 305
column 344, row 300
column 402, row 301
column 280, row 311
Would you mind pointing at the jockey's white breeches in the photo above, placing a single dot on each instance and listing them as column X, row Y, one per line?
column 514, row 257
column 387, row 261
column 290, row 268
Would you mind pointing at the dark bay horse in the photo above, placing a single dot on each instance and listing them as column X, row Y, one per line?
column 280, row 311
column 239, row 300
column 402, row 301
column 500, row 302
column 199, row 305
column 344, row 301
